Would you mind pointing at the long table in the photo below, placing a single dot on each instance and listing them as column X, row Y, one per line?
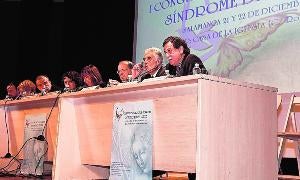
column 216, row 127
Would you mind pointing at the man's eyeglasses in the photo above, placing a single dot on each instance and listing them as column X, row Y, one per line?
column 147, row 58
column 170, row 51
column 121, row 70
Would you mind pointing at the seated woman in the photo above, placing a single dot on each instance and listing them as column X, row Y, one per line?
column 26, row 88
column 92, row 77
column 72, row 81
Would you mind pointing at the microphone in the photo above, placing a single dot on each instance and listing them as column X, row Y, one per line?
column 43, row 92
column 18, row 97
column 78, row 88
column 8, row 98
column 66, row 89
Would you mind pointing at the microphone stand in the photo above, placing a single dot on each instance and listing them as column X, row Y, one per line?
column 7, row 155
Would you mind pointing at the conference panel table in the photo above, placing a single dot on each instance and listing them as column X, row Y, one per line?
column 216, row 127
column 16, row 112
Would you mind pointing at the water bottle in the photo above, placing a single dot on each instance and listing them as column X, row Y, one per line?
column 167, row 73
column 196, row 69
column 129, row 78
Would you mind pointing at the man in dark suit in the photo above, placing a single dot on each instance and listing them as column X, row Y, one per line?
column 181, row 62
column 153, row 63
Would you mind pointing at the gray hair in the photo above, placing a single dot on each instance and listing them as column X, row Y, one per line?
column 157, row 51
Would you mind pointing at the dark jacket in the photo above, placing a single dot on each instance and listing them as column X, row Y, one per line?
column 160, row 72
column 186, row 66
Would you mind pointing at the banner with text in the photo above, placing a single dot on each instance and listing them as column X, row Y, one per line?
column 131, row 157
column 251, row 40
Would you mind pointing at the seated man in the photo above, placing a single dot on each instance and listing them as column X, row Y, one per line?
column 43, row 84
column 153, row 63
column 124, row 70
column 181, row 61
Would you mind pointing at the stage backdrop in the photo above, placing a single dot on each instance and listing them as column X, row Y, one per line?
column 249, row 40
